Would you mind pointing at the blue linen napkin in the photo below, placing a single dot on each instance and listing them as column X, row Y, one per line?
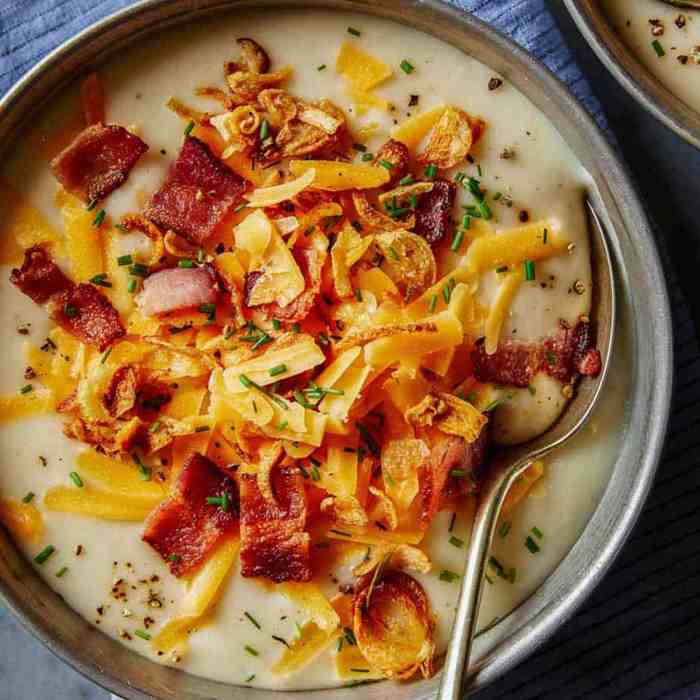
column 634, row 639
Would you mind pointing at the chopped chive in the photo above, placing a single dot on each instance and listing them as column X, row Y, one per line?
column 70, row 311
column 75, row 478
column 62, row 572
column 201, row 429
column 44, row 554
column 368, row 439
column 544, row 236
column 28, row 498
column 433, row 303
column 99, row 218
column 138, row 270
column 656, row 45
column 92, row 204
column 537, row 532
column 144, row 471
column 142, row 634
column 431, row 171
column 532, row 390
column 340, row 532
column 529, row 270
column 532, row 545
column 155, row 427
column 452, row 522
column 456, row 542
column 315, row 473
column 101, row 280
column 174, row 557
column 276, row 324
column 185, row 262
column 123, row 260
column 301, row 399
column 359, row 147
column 358, row 294
column 252, row 619
column 449, row 576
column 277, row 370
column 340, row 644
column 247, row 383
column 264, row 129
column 131, row 287
column 322, row 67
column 188, row 128
column 466, row 221
column 459, row 178
column 459, row 473
column 484, row 211
column 354, row 32
column 497, row 196
column 252, row 675
column 200, row 256
column 386, row 164
column 407, row 67
column 408, row 180
column 447, row 290
column 26, row 389
column 501, row 269
column 240, row 208
column 505, row 528
column 262, row 340
column 360, row 670
column 367, row 157
column 494, row 404
column 280, row 640
column 105, row 355
column 283, row 425
column 478, row 170
column 296, row 327
column 393, row 252
column 457, row 240
column 413, row 201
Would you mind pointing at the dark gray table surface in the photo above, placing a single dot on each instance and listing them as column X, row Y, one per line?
column 637, row 636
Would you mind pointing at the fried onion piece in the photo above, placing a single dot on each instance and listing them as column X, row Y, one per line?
column 253, row 56
column 374, row 219
column 400, row 462
column 345, row 510
column 402, row 556
column 395, row 157
column 394, row 626
column 448, row 413
column 268, row 457
column 279, row 106
column 136, row 222
column 402, row 194
column 384, row 510
column 246, row 85
column 408, row 261
column 452, row 138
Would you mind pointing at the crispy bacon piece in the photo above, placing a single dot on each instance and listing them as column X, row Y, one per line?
column 395, row 153
column 39, row 277
column 197, row 194
column 562, row 356
column 81, row 309
column 310, row 262
column 87, row 314
column 434, row 211
column 98, row 161
column 273, row 541
column 176, row 289
column 448, row 452
column 184, row 529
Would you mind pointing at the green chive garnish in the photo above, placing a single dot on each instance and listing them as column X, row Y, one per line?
column 138, row 270
column 532, row 545
column 457, row 240
column 276, row 324
column 358, row 294
column 537, row 532
column 456, row 542
column 70, row 311
column 75, row 478
column 449, row 576
column 251, row 650
column 407, row 67
column 44, row 554
column 131, row 287
column 123, row 260
column 433, row 303
column 62, row 572
column 459, row 473
column 452, row 522
column 264, row 129
column 367, row 157
column 322, row 67
column 408, row 180
column 296, row 327
column 431, row 171
column 28, row 498
column 354, row 32
column 188, row 128
column 105, row 355
column 26, row 389
column 144, row 471
column 505, row 528
column 386, row 164
column 247, row 383
column 185, row 262
column 277, row 370
column 529, row 266
column 359, row 147
column 99, row 218
column 101, row 280
column 142, row 634
column 656, row 45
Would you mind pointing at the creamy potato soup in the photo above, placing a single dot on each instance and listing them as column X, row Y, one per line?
column 274, row 287
column 665, row 39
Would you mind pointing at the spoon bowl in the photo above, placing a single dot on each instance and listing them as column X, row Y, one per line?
column 683, row 3
column 510, row 463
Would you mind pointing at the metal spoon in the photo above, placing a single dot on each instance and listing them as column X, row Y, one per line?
column 509, row 464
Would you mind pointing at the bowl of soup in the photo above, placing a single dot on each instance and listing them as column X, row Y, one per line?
column 651, row 49
column 278, row 284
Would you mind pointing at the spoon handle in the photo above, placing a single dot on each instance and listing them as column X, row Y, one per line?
column 466, row 616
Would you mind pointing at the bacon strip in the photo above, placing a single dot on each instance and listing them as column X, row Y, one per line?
column 184, row 529
column 449, row 452
column 273, row 541
column 176, row 289
column 434, row 211
column 81, row 309
column 562, row 356
column 98, row 161
column 197, row 194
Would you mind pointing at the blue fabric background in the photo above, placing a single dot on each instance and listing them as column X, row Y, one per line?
column 637, row 637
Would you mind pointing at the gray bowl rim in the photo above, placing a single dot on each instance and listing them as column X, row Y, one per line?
column 634, row 77
column 626, row 221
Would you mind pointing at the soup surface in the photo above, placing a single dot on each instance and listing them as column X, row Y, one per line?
column 102, row 567
column 665, row 39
